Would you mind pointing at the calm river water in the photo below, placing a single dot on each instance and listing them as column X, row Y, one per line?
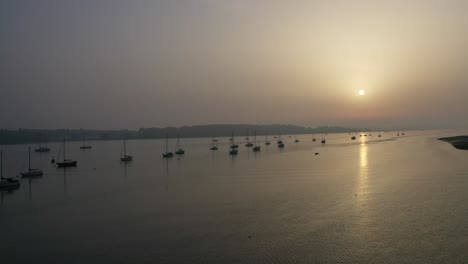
column 374, row 200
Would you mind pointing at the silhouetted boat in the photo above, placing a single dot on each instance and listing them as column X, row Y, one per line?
column 248, row 144
column 66, row 162
column 267, row 141
column 126, row 157
column 323, row 139
column 31, row 172
column 179, row 151
column 233, row 147
column 313, row 138
column 214, row 143
column 233, row 151
column 84, row 146
column 296, row 140
column 7, row 183
column 167, row 154
column 353, row 138
column 233, row 144
column 255, row 148
column 42, row 149
column 280, row 142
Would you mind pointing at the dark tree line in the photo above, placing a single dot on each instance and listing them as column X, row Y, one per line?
column 26, row 136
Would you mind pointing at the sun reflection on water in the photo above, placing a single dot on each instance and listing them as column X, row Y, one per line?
column 363, row 184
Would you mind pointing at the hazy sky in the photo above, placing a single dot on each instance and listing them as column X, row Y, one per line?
column 128, row 64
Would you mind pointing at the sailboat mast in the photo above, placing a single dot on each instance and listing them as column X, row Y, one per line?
column 64, row 156
column 1, row 164
column 166, row 142
column 125, row 147
column 29, row 158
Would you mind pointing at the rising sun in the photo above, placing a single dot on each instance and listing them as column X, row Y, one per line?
column 362, row 92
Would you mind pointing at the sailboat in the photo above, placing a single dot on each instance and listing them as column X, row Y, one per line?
column 125, row 157
column 233, row 147
column 167, row 154
column 42, row 149
column 84, row 146
column 248, row 144
column 214, row 143
column 323, row 139
column 267, row 142
column 256, row 148
column 296, row 140
column 179, row 151
column 66, row 162
column 7, row 183
column 233, row 144
column 313, row 138
column 31, row 172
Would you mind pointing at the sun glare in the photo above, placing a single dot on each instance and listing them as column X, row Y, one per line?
column 362, row 92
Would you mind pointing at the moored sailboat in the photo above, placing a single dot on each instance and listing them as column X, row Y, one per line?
column 256, row 147
column 84, row 146
column 214, row 144
column 7, row 183
column 233, row 146
column 66, row 162
column 179, row 151
column 167, row 154
column 31, row 172
column 126, row 157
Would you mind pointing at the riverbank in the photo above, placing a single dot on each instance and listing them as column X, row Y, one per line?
column 459, row 142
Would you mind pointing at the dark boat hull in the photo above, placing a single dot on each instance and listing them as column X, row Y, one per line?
column 167, row 155
column 9, row 184
column 126, row 159
column 42, row 150
column 67, row 163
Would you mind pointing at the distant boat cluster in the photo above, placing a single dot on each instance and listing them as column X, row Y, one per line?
column 13, row 182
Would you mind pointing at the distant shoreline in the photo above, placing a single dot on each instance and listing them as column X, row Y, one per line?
column 37, row 136
column 459, row 142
